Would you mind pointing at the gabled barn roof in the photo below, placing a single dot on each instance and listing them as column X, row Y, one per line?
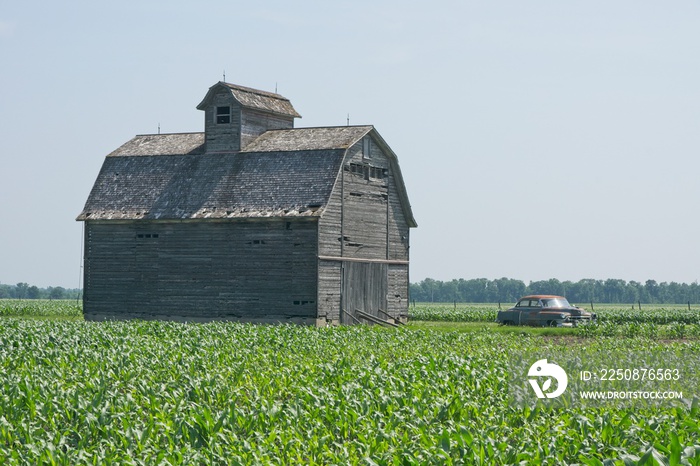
column 283, row 173
column 251, row 184
column 253, row 98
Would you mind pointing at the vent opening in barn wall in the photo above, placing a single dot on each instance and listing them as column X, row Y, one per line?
column 243, row 220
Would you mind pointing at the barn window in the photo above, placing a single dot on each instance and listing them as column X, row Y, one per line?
column 377, row 173
column 223, row 115
column 368, row 172
column 147, row 235
column 366, row 148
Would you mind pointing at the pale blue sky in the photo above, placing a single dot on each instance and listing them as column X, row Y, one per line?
column 538, row 139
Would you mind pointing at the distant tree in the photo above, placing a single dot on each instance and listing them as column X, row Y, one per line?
column 21, row 290
column 475, row 290
column 551, row 286
column 449, row 291
column 57, row 292
column 33, row 292
column 614, row 290
column 632, row 294
column 652, row 289
column 482, row 290
column 509, row 290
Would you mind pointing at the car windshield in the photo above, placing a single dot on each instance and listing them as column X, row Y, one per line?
column 555, row 302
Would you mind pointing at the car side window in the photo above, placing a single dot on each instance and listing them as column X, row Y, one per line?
column 526, row 303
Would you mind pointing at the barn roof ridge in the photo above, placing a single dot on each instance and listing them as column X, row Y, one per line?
column 310, row 138
column 254, row 99
column 322, row 127
column 170, row 134
column 253, row 91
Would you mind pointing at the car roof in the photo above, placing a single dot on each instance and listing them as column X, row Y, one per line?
column 541, row 296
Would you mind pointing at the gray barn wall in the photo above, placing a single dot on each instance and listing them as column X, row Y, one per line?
column 329, row 275
column 367, row 215
column 253, row 270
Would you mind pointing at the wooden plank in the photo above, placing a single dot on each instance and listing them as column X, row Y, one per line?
column 390, row 317
column 352, row 316
column 360, row 259
column 374, row 319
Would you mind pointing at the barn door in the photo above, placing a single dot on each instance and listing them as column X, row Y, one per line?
column 364, row 287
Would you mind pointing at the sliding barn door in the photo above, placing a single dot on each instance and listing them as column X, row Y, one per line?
column 364, row 287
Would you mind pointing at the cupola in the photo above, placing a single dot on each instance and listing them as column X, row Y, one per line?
column 234, row 116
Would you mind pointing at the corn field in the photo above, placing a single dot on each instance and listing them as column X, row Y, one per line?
column 61, row 308
column 75, row 392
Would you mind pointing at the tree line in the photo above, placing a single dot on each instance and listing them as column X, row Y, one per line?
column 26, row 291
column 507, row 290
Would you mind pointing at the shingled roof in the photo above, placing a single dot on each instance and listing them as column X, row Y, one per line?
column 253, row 98
column 283, row 173
column 252, row 184
column 168, row 176
column 162, row 144
column 338, row 137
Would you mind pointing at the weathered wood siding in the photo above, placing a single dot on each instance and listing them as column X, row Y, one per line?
column 223, row 137
column 329, row 282
column 254, row 123
column 364, row 222
column 397, row 294
column 253, row 270
column 365, row 199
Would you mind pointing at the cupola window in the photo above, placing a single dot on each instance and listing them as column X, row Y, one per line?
column 223, row 115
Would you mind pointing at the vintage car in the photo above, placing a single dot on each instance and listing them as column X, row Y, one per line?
column 544, row 311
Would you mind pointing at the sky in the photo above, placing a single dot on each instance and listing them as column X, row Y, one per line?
column 537, row 139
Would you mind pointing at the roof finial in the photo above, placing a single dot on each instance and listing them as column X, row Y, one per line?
column 159, row 127
column 224, row 75
column 275, row 87
column 348, row 120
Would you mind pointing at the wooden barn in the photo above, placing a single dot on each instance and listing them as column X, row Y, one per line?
column 251, row 220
